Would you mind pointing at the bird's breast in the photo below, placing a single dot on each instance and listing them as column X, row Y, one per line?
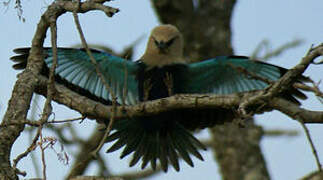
column 159, row 82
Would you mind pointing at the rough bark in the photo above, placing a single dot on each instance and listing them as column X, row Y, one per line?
column 23, row 90
column 96, row 110
column 20, row 101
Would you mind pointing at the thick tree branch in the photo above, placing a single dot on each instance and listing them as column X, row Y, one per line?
column 285, row 82
column 317, row 175
column 23, row 90
column 96, row 110
column 296, row 112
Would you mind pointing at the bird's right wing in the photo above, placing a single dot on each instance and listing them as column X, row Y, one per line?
column 234, row 74
column 75, row 66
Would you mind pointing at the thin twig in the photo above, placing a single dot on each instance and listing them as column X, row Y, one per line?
column 42, row 150
column 50, row 91
column 305, row 87
column 142, row 174
column 68, row 120
column 316, row 90
column 125, row 85
column 284, row 83
column 38, row 123
column 106, row 134
column 23, row 173
column 32, row 155
column 47, row 107
column 31, row 147
column 265, row 44
column 103, row 168
column 281, row 132
column 88, row 51
column 251, row 74
column 33, row 114
column 308, row 136
column 102, row 78
column 24, row 87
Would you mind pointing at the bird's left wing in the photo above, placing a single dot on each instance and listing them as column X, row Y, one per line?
column 75, row 66
column 232, row 74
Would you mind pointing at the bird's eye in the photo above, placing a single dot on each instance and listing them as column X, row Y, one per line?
column 156, row 42
column 170, row 42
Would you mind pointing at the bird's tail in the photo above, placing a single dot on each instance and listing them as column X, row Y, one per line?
column 149, row 139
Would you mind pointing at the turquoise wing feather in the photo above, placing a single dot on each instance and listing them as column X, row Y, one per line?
column 223, row 75
column 75, row 66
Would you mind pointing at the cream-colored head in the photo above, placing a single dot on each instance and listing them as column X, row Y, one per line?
column 165, row 46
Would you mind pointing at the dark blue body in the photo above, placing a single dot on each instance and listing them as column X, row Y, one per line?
column 160, row 82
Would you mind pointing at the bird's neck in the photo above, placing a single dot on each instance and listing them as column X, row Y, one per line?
column 159, row 60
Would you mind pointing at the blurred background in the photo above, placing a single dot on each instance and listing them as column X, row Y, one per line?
column 263, row 25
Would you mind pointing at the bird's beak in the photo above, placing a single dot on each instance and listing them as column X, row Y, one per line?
column 162, row 45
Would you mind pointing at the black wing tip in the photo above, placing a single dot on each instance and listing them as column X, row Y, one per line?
column 20, row 61
column 19, row 58
column 294, row 94
column 238, row 57
column 22, row 50
column 165, row 168
column 176, row 168
column 135, row 159
column 19, row 66
column 153, row 163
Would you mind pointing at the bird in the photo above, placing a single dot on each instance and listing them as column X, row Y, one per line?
column 162, row 71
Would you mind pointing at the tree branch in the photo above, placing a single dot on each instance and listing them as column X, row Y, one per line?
column 96, row 110
column 285, row 82
column 23, row 90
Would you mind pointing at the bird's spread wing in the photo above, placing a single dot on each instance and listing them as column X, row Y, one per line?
column 232, row 74
column 75, row 66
